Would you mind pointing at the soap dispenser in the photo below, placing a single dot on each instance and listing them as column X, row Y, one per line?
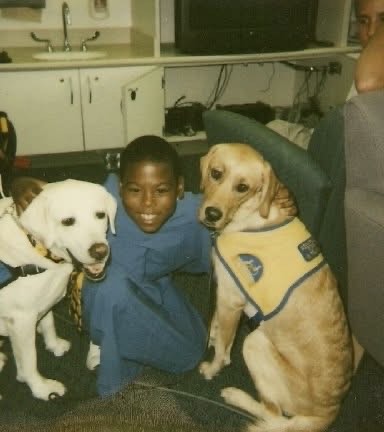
column 98, row 9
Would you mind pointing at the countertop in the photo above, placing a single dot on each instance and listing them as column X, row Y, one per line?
column 129, row 55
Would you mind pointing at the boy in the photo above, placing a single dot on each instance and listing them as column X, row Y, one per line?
column 137, row 316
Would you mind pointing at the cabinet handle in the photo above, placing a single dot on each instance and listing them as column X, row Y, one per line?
column 71, row 89
column 133, row 93
column 89, row 90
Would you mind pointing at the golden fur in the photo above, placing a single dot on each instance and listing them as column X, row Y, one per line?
column 301, row 359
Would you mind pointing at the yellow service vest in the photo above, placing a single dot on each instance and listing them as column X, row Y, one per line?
column 268, row 264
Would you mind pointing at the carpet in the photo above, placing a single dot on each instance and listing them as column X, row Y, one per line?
column 160, row 401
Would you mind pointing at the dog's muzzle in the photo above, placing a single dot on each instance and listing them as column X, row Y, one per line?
column 99, row 251
column 96, row 271
column 213, row 214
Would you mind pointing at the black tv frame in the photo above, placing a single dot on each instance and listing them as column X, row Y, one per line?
column 282, row 28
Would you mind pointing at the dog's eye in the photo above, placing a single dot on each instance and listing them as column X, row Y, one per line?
column 216, row 174
column 100, row 215
column 68, row 221
column 242, row 187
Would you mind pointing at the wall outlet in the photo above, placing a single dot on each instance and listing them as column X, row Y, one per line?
column 334, row 68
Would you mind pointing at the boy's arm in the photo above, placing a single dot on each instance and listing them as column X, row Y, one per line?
column 24, row 190
column 369, row 72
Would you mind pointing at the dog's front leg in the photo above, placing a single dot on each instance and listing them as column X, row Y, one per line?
column 21, row 329
column 53, row 343
column 226, row 320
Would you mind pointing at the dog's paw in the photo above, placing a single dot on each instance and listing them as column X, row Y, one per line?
column 231, row 395
column 93, row 357
column 240, row 399
column 208, row 370
column 3, row 360
column 59, row 347
column 47, row 389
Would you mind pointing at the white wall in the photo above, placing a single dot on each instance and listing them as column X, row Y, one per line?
column 50, row 17
column 267, row 82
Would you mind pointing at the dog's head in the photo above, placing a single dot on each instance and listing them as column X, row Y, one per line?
column 70, row 218
column 237, row 182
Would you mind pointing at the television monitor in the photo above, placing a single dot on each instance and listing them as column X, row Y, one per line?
column 244, row 26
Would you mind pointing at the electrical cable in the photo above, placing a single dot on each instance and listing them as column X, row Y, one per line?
column 220, row 87
column 194, row 396
column 268, row 87
column 217, row 92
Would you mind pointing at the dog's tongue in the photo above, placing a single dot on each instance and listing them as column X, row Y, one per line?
column 94, row 269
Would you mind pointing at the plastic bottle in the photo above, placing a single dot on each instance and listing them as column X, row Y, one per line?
column 98, row 9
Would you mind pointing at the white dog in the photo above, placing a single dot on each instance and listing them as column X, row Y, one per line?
column 70, row 219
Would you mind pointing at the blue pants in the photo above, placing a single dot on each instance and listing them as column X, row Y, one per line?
column 152, row 325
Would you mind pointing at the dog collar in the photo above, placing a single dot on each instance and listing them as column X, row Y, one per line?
column 21, row 271
column 27, row 270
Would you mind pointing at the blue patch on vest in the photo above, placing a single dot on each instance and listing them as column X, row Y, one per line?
column 309, row 249
column 253, row 264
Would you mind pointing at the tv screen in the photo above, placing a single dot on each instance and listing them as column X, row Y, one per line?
column 241, row 26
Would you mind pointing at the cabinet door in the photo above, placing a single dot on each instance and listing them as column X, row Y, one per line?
column 45, row 109
column 102, row 100
column 143, row 105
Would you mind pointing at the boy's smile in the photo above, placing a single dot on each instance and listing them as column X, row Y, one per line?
column 149, row 191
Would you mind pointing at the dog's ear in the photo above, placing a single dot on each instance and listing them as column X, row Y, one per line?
column 268, row 192
column 111, row 211
column 204, row 165
column 36, row 221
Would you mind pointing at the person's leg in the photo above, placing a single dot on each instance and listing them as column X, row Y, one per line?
column 171, row 335
column 135, row 328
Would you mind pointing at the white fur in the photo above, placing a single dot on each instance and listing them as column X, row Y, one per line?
column 25, row 304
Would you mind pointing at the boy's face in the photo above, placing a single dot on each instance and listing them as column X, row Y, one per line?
column 370, row 15
column 149, row 191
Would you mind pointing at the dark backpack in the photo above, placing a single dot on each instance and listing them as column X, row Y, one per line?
column 7, row 149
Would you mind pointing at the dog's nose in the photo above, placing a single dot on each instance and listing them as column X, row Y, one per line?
column 213, row 214
column 98, row 251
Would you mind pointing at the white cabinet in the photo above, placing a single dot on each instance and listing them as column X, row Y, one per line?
column 70, row 110
column 111, row 117
column 45, row 108
column 142, row 98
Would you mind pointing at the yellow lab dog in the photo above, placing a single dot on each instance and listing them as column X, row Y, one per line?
column 268, row 266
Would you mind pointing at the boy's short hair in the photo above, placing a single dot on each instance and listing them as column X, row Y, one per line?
column 150, row 148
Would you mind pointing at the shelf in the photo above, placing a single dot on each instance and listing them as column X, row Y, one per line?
column 169, row 56
column 200, row 136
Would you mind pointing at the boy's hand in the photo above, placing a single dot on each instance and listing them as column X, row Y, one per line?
column 24, row 190
column 285, row 200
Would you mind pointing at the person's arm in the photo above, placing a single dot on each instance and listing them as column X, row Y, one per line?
column 285, row 200
column 24, row 190
column 369, row 72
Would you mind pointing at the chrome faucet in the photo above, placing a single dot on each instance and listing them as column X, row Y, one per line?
column 66, row 15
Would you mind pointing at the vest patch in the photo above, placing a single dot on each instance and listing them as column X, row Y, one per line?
column 309, row 249
column 268, row 264
column 253, row 264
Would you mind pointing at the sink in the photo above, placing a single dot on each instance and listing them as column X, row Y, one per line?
column 69, row 55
